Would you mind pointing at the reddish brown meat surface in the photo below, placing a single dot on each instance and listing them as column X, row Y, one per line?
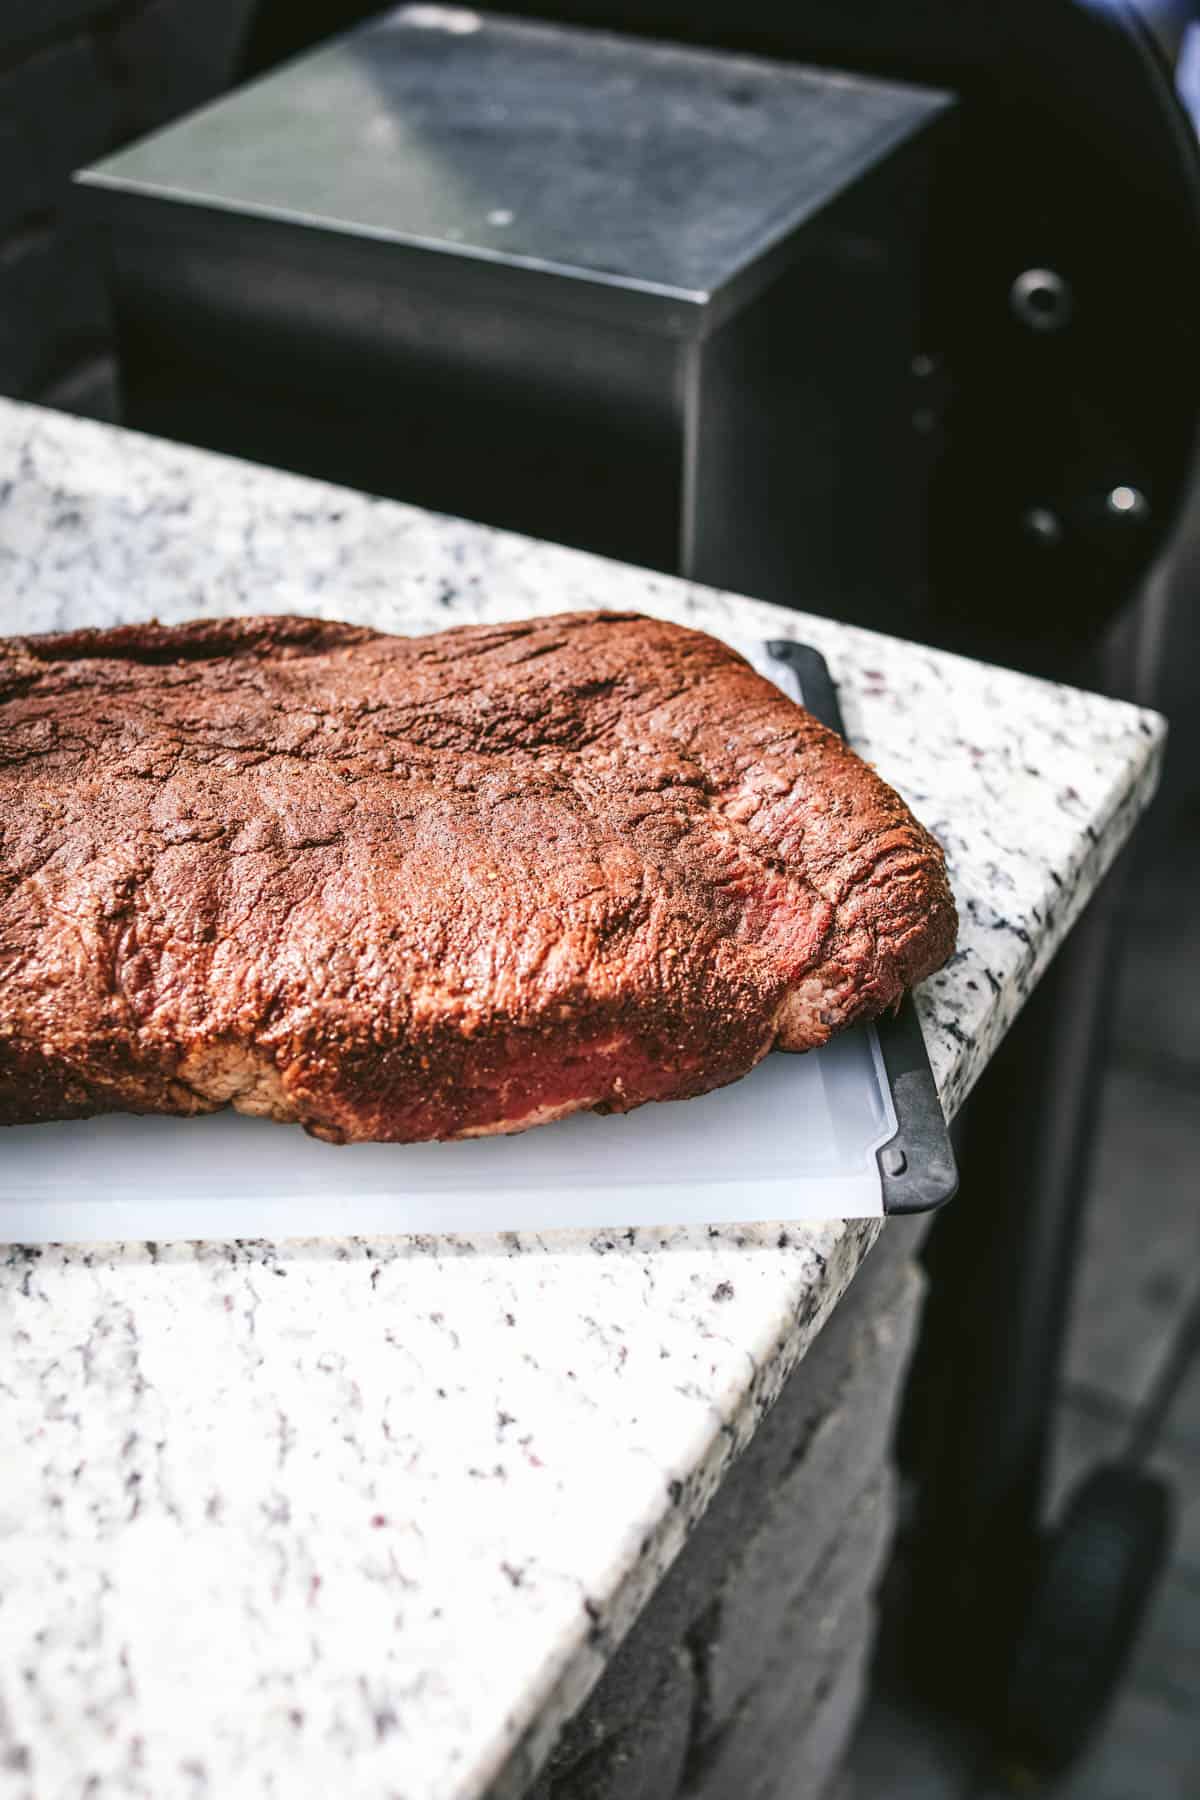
column 410, row 888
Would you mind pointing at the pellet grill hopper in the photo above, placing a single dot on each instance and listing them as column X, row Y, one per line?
column 656, row 301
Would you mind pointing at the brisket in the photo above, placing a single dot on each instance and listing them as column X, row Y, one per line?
column 409, row 888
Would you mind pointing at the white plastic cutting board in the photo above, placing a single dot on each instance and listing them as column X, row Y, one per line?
column 795, row 1140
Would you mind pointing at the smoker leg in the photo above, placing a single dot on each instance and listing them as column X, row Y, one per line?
column 977, row 1427
column 1001, row 1262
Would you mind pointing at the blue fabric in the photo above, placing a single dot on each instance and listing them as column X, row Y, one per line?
column 1187, row 73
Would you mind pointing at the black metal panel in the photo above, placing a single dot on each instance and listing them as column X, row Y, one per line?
column 804, row 418
column 335, row 358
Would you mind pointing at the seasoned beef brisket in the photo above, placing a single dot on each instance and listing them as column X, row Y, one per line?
column 407, row 888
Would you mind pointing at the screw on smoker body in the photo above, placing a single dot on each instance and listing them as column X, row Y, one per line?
column 1127, row 503
column 1041, row 299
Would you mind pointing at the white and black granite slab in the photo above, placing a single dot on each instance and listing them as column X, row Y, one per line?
column 365, row 1517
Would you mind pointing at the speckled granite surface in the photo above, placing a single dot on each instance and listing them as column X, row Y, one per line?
column 365, row 1517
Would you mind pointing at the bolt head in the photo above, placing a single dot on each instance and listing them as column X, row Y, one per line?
column 1041, row 299
column 1125, row 502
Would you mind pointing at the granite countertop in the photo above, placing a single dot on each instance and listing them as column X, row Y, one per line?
column 367, row 1516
